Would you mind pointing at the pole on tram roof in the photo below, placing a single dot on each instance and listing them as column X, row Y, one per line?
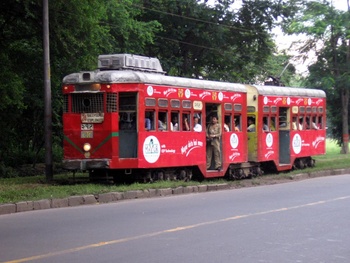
column 47, row 94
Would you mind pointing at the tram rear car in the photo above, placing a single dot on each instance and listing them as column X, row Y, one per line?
column 290, row 126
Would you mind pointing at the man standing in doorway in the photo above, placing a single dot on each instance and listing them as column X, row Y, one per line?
column 213, row 143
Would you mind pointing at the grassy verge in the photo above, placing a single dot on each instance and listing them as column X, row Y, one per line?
column 35, row 188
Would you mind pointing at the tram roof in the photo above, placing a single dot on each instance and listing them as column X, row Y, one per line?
column 130, row 76
column 289, row 91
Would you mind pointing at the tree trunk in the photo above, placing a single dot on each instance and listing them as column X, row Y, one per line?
column 345, row 105
column 345, row 129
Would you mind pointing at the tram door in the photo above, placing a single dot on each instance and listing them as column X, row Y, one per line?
column 214, row 146
column 127, row 125
column 284, row 135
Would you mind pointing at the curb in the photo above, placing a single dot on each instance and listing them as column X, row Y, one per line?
column 73, row 201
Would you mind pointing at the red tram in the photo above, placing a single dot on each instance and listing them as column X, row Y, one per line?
column 129, row 120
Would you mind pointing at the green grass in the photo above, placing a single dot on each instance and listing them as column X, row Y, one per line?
column 332, row 159
column 34, row 188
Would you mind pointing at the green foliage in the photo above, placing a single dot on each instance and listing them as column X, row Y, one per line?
column 80, row 30
column 329, row 31
column 213, row 42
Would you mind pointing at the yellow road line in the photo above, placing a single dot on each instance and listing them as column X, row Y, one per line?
column 177, row 229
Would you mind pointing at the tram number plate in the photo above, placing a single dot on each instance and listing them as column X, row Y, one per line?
column 87, row 134
column 87, row 127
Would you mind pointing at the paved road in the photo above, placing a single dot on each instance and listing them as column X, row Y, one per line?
column 304, row 221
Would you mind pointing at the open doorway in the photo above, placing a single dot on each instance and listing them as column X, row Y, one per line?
column 213, row 124
column 127, row 125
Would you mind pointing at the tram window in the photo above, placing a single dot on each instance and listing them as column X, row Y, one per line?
column 186, row 104
column 302, row 109
column 227, row 123
column 295, row 123
column 310, row 123
column 282, row 121
column 186, row 121
column 266, row 109
column 228, row 107
column 175, row 103
column 307, row 123
column 150, row 102
column 320, row 122
column 87, row 102
column 320, row 109
column 272, row 124
column 302, row 125
column 314, row 109
column 111, row 102
column 237, row 107
column 313, row 124
column 149, row 120
column 197, row 126
column 174, row 122
column 273, row 109
column 251, row 124
column 251, row 109
column 308, row 109
column 65, row 103
column 162, row 121
column 237, row 123
column 163, row 103
column 265, row 124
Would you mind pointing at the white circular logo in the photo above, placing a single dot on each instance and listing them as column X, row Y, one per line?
column 151, row 149
column 309, row 101
column 150, row 90
column 265, row 100
column 269, row 140
column 234, row 140
column 187, row 93
column 221, row 96
column 296, row 143
column 288, row 101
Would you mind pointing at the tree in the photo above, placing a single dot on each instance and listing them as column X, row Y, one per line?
column 214, row 42
column 329, row 31
column 80, row 30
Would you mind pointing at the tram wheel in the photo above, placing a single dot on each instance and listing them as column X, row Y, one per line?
column 301, row 164
column 311, row 162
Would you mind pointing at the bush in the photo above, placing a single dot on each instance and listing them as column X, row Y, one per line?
column 7, row 172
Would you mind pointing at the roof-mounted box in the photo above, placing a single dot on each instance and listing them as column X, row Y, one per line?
column 128, row 61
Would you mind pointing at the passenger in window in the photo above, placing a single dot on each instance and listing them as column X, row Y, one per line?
column 265, row 126
column 236, row 125
column 227, row 124
column 319, row 123
column 197, row 126
column 174, row 124
column 272, row 125
column 148, row 124
column 301, row 124
column 294, row 124
column 162, row 123
column 251, row 125
column 185, row 125
column 313, row 124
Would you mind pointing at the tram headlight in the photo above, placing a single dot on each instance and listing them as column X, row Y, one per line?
column 87, row 147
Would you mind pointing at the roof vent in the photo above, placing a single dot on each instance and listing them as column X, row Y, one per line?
column 128, row 61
